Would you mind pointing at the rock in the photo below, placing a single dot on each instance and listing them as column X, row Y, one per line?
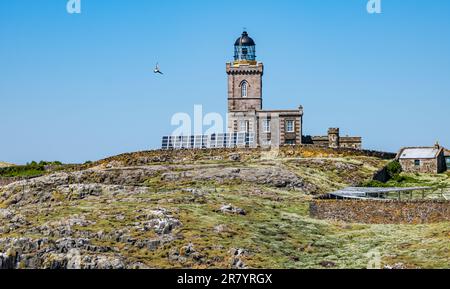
column 229, row 209
column 234, row 157
column 102, row 262
column 327, row 264
column 161, row 226
column 237, row 264
column 186, row 253
column 153, row 244
column 8, row 260
column 5, row 214
column 66, row 244
column 139, row 266
column 187, row 250
column 238, row 252
column 220, row 228
column 174, row 256
column 397, row 266
column 236, row 259
column 73, row 259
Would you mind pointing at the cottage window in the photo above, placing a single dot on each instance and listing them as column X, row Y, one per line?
column 417, row 163
column 290, row 127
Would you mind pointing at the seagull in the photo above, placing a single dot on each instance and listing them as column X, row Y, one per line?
column 157, row 69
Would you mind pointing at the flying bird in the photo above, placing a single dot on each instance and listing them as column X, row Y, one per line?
column 157, row 70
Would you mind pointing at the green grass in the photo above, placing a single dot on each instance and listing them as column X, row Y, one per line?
column 32, row 169
column 22, row 171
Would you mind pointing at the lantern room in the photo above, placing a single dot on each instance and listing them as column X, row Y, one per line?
column 244, row 49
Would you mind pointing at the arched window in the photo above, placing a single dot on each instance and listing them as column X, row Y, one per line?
column 244, row 89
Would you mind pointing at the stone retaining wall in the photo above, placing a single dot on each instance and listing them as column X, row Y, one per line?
column 381, row 212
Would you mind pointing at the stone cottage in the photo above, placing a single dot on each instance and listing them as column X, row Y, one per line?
column 429, row 160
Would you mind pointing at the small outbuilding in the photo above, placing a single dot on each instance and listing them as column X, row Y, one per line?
column 447, row 158
column 429, row 160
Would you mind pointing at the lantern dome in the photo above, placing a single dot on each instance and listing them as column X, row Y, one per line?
column 244, row 40
column 244, row 49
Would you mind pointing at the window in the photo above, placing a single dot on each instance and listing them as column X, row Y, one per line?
column 290, row 142
column 290, row 126
column 244, row 89
column 417, row 163
column 244, row 126
column 266, row 126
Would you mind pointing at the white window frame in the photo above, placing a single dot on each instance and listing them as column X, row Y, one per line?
column 288, row 129
column 244, row 89
column 244, row 126
column 266, row 125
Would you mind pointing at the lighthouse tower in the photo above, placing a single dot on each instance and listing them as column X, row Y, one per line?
column 244, row 77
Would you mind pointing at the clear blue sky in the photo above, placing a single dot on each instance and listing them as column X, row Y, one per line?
column 80, row 87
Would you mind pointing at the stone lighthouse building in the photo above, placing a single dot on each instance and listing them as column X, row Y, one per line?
column 248, row 124
column 245, row 101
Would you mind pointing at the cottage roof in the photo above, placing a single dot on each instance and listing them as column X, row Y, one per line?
column 419, row 153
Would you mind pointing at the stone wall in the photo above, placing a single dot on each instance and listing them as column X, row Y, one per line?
column 350, row 142
column 334, row 140
column 381, row 212
column 427, row 166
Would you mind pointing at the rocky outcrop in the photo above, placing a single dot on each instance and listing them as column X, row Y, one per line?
column 276, row 177
column 59, row 254
column 154, row 209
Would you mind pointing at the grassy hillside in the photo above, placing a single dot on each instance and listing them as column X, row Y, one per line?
column 204, row 209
